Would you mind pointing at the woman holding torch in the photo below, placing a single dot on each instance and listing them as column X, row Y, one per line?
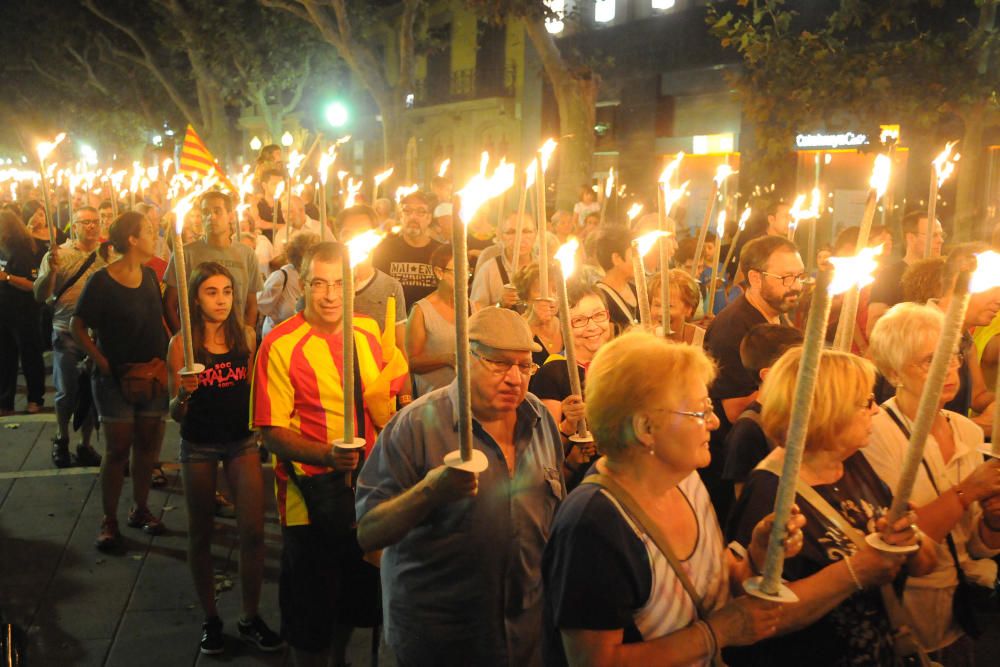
column 635, row 571
column 956, row 494
column 840, row 617
column 210, row 408
column 590, row 324
column 685, row 297
column 542, row 314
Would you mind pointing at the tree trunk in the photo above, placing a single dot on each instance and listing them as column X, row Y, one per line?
column 968, row 195
column 393, row 130
column 576, row 96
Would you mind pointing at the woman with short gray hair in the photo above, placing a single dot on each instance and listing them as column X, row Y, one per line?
column 956, row 495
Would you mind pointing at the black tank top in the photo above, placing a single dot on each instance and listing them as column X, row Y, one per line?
column 220, row 410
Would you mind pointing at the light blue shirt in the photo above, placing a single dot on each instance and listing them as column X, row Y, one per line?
column 465, row 584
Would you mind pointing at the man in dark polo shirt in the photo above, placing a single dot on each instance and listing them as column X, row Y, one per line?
column 774, row 275
column 407, row 256
column 887, row 290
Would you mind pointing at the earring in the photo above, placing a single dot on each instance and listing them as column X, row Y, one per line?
column 650, row 451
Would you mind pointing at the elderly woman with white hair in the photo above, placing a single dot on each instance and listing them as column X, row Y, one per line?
column 956, row 493
column 635, row 571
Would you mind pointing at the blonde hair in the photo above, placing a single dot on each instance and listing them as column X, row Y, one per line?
column 686, row 285
column 845, row 382
column 620, row 384
column 900, row 332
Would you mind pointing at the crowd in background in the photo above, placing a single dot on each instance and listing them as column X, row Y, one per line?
column 628, row 548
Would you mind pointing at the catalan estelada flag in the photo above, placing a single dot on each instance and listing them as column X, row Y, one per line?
column 196, row 159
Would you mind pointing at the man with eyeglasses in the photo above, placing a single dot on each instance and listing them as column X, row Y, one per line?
column 461, row 566
column 490, row 285
column 407, row 256
column 63, row 273
column 106, row 211
column 298, row 402
column 774, row 276
column 887, row 290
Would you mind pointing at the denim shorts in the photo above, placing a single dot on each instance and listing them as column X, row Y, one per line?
column 213, row 452
column 113, row 408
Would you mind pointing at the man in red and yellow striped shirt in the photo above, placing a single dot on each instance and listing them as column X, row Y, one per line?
column 298, row 403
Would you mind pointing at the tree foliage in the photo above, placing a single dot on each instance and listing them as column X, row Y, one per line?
column 851, row 61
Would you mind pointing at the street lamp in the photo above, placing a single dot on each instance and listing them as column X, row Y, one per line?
column 287, row 139
column 255, row 143
column 336, row 114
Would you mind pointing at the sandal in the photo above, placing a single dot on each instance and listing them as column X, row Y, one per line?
column 146, row 520
column 159, row 478
column 108, row 536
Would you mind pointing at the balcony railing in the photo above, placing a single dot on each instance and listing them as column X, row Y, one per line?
column 466, row 84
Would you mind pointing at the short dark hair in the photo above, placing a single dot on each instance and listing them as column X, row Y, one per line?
column 756, row 253
column 764, row 344
column 848, row 236
column 772, row 208
column 612, row 240
column 89, row 209
column 358, row 209
column 125, row 226
column 911, row 221
column 441, row 256
column 923, row 280
column 685, row 250
column 327, row 251
column 419, row 194
column 216, row 194
column 577, row 288
column 104, row 204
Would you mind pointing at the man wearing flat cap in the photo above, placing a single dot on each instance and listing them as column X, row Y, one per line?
column 463, row 551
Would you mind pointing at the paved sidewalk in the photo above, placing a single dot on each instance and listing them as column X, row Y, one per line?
column 81, row 607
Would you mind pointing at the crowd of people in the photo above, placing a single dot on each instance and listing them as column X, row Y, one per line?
column 630, row 547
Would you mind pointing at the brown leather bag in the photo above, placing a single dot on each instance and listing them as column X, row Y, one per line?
column 141, row 383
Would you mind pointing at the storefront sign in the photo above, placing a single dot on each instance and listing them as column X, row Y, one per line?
column 832, row 141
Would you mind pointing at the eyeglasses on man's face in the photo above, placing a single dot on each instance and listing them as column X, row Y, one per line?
column 416, row 211
column 788, row 279
column 320, row 286
column 502, row 366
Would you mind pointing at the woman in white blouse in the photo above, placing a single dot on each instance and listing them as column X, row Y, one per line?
column 956, row 493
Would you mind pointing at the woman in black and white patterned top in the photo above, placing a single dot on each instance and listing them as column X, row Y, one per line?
column 612, row 596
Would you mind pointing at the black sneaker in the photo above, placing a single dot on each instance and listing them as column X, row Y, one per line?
column 60, row 453
column 256, row 632
column 87, row 456
column 211, row 636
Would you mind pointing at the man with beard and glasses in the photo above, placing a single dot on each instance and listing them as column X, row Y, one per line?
column 407, row 256
column 774, row 276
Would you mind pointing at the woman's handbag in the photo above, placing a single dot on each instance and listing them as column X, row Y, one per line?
column 141, row 383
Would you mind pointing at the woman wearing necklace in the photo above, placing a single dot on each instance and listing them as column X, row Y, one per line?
column 956, row 495
column 542, row 314
column 840, row 618
column 635, row 571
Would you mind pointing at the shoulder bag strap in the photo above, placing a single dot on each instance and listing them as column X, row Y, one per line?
column 647, row 525
column 625, row 308
column 504, row 276
column 952, row 549
column 898, row 616
column 89, row 262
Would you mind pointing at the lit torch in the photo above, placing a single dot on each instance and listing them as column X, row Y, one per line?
column 566, row 258
column 941, row 168
column 666, row 196
column 640, row 247
column 720, row 230
column 544, row 155
column 379, row 180
column 45, row 149
column 723, row 172
column 443, row 168
column 529, row 180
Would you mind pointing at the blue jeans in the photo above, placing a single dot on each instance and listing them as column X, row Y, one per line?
column 66, row 358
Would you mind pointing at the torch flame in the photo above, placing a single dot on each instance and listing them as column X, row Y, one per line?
column 673, row 195
column 545, row 152
column 484, row 162
column 326, row 161
column 45, row 148
column 671, row 168
column 279, row 190
column 529, row 174
column 352, row 192
column 857, row 270
column 566, row 256
column 341, row 175
column 405, row 190
column 744, row 218
column 720, row 227
column 362, row 245
column 880, row 175
column 722, row 173
column 610, row 183
column 184, row 205
column 294, row 162
column 633, row 211
column 443, row 169
column 987, row 273
column 645, row 243
column 798, row 214
column 381, row 178
column 481, row 189
column 944, row 163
